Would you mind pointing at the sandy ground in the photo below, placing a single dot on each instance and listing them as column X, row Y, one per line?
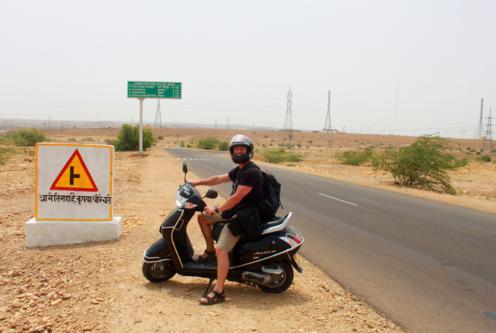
column 99, row 287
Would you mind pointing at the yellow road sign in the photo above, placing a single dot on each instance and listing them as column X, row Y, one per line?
column 74, row 176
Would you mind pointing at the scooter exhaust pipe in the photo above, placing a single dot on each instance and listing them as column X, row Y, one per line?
column 258, row 278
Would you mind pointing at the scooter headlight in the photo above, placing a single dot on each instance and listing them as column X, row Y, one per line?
column 189, row 205
column 181, row 202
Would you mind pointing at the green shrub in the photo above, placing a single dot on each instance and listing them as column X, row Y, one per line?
column 5, row 140
column 359, row 157
column 280, row 156
column 224, row 145
column 4, row 153
column 112, row 142
column 128, row 138
column 460, row 163
column 27, row 137
column 485, row 158
column 208, row 143
column 422, row 165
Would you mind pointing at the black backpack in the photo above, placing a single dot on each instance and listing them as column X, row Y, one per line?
column 270, row 200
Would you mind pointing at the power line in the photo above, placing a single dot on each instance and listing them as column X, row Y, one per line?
column 158, row 115
column 480, row 126
column 327, row 124
column 395, row 108
column 488, row 138
column 288, row 121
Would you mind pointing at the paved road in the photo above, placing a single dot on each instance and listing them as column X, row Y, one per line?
column 431, row 267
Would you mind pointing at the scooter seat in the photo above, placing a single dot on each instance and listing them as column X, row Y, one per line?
column 276, row 224
column 273, row 221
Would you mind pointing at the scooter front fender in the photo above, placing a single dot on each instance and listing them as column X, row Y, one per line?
column 157, row 252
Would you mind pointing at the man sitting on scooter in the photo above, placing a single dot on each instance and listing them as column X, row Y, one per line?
column 239, row 209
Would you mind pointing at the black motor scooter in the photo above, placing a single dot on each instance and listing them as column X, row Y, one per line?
column 266, row 262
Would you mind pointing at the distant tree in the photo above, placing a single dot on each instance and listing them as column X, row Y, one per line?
column 27, row 137
column 128, row 138
column 224, row 145
column 208, row 143
column 422, row 165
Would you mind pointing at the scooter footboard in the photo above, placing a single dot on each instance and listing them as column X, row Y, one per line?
column 157, row 252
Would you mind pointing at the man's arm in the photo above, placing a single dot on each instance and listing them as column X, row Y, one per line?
column 214, row 180
column 232, row 201
column 236, row 198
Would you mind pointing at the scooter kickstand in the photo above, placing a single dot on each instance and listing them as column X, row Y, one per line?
column 210, row 281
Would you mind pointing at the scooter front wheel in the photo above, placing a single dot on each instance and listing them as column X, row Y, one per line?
column 283, row 283
column 158, row 271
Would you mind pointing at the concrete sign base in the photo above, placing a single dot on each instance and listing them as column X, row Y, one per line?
column 71, row 232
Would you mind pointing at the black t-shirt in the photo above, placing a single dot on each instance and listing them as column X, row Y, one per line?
column 251, row 176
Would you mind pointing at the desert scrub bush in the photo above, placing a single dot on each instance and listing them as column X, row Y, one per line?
column 224, row 145
column 5, row 140
column 208, row 143
column 280, row 156
column 27, row 137
column 485, row 158
column 422, row 165
column 4, row 153
column 356, row 157
column 128, row 138
column 160, row 137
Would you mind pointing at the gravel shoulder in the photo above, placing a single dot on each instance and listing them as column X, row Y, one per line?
column 99, row 287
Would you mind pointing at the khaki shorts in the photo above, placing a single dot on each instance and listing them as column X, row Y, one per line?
column 227, row 240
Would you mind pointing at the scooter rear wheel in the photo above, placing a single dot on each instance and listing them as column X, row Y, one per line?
column 284, row 283
column 158, row 271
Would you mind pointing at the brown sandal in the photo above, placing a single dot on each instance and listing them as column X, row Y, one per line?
column 213, row 298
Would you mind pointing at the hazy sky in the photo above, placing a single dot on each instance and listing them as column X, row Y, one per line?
column 71, row 61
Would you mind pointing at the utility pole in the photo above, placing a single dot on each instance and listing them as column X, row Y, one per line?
column 327, row 124
column 158, row 115
column 480, row 127
column 488, row 138
column 288, row 122
column 396, row 109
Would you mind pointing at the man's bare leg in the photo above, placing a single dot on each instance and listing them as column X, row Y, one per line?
column 222, row 269
column 206, row 230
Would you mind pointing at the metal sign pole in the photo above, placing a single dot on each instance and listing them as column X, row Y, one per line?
column 141, row 126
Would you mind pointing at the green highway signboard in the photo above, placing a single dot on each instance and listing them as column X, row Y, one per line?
column 144, row 89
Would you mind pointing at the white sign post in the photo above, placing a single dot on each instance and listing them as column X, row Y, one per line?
column 73, row 199
column 147, row 89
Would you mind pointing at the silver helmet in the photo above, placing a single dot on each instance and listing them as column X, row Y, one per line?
column 241, row 140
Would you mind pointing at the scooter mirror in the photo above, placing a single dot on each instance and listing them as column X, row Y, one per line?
column 185, row 170
column 211, row 194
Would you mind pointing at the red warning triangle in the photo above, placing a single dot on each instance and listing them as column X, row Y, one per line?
column 74, row 176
